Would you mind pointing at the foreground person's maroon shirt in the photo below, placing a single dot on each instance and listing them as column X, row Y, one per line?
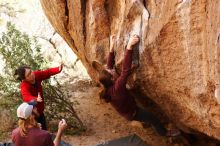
column 117, row 94
column 35, row 137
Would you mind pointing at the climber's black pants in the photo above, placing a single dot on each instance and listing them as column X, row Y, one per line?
column 42, row 120
column 146, row 117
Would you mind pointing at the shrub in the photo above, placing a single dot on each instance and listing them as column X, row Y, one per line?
column 17, row 49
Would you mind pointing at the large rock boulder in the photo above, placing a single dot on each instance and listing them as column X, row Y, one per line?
column 179, row 52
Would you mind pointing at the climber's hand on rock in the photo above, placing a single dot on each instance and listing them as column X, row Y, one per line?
column 112, row 43
column 134, row 39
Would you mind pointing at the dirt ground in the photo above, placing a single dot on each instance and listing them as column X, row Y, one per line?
column 102, row 121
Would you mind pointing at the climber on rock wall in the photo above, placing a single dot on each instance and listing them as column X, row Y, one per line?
column 118, row 95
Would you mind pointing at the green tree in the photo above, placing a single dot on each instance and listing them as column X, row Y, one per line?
column 17, row 49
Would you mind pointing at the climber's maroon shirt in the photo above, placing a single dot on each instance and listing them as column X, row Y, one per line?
column 118, row 94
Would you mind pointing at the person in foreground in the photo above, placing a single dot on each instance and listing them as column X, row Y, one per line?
column 29, row 132
column 31, row 88
column 118, row 95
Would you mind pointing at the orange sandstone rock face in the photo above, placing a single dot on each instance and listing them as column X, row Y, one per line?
column 179, row 51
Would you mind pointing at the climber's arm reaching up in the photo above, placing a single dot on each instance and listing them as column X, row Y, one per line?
column 111, row 56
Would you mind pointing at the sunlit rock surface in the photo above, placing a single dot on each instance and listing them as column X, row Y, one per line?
column 179, row 52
